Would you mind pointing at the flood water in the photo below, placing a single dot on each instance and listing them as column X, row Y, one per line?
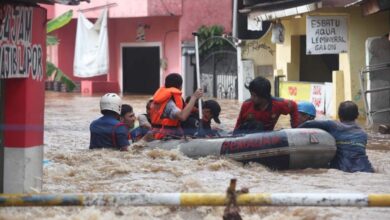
column 72, row 168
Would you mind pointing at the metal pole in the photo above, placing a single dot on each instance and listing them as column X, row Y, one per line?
column 198, row 73
column 235, row 9
column 197, row 199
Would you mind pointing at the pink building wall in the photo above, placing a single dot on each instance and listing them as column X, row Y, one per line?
column 205, row 12
column 124, row 8
column 123, row 30
column 171, row 22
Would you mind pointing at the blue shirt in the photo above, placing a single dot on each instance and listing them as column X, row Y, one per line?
column 351, row 141
column 105, row 131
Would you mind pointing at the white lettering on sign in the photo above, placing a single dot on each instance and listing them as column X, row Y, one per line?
column 18, row 56
column 326, row 35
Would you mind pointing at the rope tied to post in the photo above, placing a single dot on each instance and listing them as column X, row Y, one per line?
column 232, row 211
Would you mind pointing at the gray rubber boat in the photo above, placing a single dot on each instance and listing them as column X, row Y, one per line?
column 285, row 149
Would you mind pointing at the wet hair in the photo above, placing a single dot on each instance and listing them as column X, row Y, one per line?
column 173, row 80
column 126, row 109
column 261, row 87
column 348, row 111
column 148, row 104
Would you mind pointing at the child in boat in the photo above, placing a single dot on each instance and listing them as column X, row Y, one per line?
column 144, row 119
column 351, row 139
column 144, row 124
column 307, row 111
column 210, row 110
column 261, row 112
column 107, row 131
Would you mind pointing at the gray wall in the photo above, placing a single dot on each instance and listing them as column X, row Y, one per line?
column 378, row 52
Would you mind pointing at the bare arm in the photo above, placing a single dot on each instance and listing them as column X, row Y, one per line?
column 183, row 114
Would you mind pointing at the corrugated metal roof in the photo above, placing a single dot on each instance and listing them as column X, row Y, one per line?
column 262, row 6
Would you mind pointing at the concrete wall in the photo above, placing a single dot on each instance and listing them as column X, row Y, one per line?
column 359, row 29
column 261, row 51
column 378, row 50
column 204, row 12
column 23, row 101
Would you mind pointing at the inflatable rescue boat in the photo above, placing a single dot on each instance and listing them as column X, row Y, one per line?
column 285, row 149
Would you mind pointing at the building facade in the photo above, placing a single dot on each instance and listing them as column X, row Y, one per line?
column 340, row 71
column 145, row 40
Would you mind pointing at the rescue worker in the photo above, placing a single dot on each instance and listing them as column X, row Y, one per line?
column 210, row 110
column 107, row 131
column 167, row 109
column 351, row 140
column 261, row 112
column 307, row 111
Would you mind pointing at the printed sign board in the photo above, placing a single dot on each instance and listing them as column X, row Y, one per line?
column 20, row 55
column 326, row 35
column 304, row 91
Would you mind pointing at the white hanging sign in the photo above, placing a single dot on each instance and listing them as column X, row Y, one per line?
column 326, row 35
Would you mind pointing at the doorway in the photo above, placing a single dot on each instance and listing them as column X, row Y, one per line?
column 316, row 68
column 140, row 69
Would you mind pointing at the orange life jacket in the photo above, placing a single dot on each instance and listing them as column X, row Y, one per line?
column 160, row 100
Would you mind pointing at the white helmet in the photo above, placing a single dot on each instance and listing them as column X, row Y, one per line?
column 112, row 102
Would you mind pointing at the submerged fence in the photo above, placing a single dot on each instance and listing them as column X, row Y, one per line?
column 196, row 199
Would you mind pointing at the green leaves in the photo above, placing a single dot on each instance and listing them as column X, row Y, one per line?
column 207, row 37
column 51, row 40
column 59, row 75
column 59, row 21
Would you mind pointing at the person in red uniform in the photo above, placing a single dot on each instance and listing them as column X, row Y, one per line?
column 261, row 112
column 167, row 108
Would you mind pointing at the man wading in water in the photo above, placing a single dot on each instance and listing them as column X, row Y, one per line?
column 351, row 139
column 107, row 131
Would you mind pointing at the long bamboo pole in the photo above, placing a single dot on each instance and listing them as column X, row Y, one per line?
column 196, row 199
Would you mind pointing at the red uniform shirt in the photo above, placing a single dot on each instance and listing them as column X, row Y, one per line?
column 270, row 116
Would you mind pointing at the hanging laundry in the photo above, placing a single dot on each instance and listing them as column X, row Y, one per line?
column 91, row 50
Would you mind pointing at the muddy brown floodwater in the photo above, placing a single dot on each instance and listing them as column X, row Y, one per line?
column 72, row 168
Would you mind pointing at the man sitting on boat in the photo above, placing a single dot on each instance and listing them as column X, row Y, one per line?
column 307, row 111
column 194, row 126
column 167, row 109
column 107, row 131
column 350, row 139
column 261, row 112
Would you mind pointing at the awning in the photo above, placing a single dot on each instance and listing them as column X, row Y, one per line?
column 275, row 5
column 278, row 9
column 374, row 6
column 270, row 10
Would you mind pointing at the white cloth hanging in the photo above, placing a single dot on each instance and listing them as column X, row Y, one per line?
column 91, row 50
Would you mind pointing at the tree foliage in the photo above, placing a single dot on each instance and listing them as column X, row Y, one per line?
column 52, row 40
